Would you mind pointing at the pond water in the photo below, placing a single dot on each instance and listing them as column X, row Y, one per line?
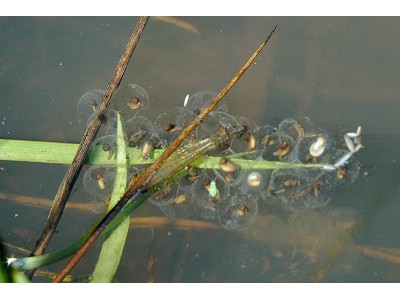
column 341, row 72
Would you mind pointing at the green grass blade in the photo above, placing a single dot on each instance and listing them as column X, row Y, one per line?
column 7, row 273
column 113, row 246
column 33, row 262
column 58, row 153
column 37, row 151
column 63, row 153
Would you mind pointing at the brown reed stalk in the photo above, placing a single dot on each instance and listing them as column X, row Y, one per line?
column 74, row 169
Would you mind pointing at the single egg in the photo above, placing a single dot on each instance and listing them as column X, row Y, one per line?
column 318, row 147
column 254, row 179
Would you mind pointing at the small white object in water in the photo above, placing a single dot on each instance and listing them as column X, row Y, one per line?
column 353, row 143
column 10, row 260
column 254, row 179
column 355, row 134
column 186, row 100
column 318, row 147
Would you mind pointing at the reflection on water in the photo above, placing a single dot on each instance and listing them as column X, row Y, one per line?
column 337, row 71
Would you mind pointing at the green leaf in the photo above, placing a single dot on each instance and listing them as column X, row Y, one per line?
column 37, row 151
column 113, row 246
column 63, row 153
column 33, row 262
column 7, row 273
column 58, row 153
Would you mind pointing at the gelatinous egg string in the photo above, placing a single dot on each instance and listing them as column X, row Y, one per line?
column 129, row 100
column 89, row 104
column 170, row 124
column 198, row 101
column 295, row 165
column 298, row 189
column 239, row 212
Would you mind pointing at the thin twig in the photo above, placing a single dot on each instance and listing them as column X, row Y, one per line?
column 138, row 184
column 74, row 169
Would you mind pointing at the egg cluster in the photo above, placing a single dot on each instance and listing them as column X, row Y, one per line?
column 229, row 193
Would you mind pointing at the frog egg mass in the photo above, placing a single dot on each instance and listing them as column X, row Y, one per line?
column 227, row 192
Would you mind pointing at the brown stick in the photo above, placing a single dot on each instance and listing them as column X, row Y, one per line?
column 74, row 169
column 137, row 184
